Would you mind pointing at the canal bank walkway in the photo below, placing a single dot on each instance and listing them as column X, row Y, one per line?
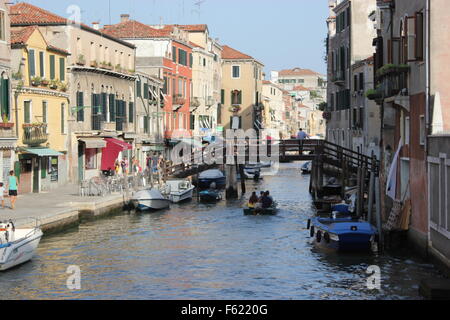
column 60, row 208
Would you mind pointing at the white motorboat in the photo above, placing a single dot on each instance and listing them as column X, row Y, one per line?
column 17, row 245
column 206, row 178
column 179, row 190
column 150, row 199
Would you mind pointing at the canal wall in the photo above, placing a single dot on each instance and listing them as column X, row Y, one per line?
column 62, row 209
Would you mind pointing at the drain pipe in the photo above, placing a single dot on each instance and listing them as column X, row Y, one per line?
column 427, row 98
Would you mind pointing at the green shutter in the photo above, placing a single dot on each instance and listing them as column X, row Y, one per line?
column 52, row 67
column 62, row 119
column 80, row 106
column 174, row 54
column 139, row 88
column 131, row 112
column 145, row 91
column 222, row 96
column 190, row 60
column 62, row 69
column 112, row 108
column 5, row 97
column 104, row 105
column 27, row 111
column 31, row 63
column 41, row 64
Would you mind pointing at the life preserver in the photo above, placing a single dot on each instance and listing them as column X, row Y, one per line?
column 319, row 236
column 326, row 236
column 309, row 224
column 311, row 231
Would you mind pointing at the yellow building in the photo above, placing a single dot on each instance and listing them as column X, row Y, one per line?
column 40, row 110
column 241, row 91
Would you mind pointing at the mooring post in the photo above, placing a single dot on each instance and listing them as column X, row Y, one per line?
column 242, row 174
column 343, row 173
column 371, row 188
column 378, row 206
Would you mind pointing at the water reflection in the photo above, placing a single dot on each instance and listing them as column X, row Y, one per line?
column 209, row 252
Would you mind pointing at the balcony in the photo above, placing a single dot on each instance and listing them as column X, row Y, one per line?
column 178, row 101
column 209, row 101
column 392, row 79
column 338, row 78
column 35, row 134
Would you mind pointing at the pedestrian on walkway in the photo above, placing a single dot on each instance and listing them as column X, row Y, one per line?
column 13, row 186
column 301, row 135
column 2, row 194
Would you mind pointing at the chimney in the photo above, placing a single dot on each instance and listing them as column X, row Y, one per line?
column 96, row 25
column 124, row 17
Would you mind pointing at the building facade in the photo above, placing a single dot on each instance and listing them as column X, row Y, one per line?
column 350, row 34
column 42, row 110
column 8, row 133
column 100, row 86
column 241, row 91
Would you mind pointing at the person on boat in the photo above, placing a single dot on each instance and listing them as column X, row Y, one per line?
column 268, row 195
column 253, row 201
column 266, row 201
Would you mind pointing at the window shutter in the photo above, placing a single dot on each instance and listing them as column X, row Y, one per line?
column 419, row 36
column 112, row 108
column 80, row 105
column 240, row 97
column 139, row 88
column 5, row 97
column 27, row 112
column 145, row 91
column 411, row 38
column 131, row 112
column 41, row 64
column 31, row 63
column 62, row 69
column 52, row 67
column 222, row 96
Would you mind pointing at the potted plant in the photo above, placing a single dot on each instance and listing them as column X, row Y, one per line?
column 36, row 81
column 17, row 75
column 44, row 82
column 94, row 64
column 54, row 84
column 63, row 86
column 81, row 61
column 6, row 123
column 118, row 68
column 373, row 94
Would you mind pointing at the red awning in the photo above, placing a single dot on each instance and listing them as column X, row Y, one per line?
column 111, row 152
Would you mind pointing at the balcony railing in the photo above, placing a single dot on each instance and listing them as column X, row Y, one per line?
column 179, row 100
column 394, row 83
column 338, row 77
column 35, row 134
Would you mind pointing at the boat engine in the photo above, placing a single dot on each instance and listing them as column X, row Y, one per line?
column 7, row 230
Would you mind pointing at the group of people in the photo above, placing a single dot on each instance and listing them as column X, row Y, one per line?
column 264, row 201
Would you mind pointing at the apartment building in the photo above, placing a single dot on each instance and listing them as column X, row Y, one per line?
column 100, row 84
column 241, row 91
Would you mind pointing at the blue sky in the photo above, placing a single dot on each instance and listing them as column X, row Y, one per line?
column 280, row 33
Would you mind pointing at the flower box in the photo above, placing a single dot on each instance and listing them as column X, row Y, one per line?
column 6, row 125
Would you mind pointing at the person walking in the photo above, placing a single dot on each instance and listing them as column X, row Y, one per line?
column 301, row 135
column 13, row 186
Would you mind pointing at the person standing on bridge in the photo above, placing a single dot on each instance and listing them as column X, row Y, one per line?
column 301, row 135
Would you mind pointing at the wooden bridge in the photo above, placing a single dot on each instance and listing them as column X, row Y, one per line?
column 335, row 160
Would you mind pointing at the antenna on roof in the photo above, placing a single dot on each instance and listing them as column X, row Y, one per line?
column 199, row 4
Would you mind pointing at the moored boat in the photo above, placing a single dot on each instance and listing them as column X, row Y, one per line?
column 210, row 196
column 18, row 245
column 206, row 178
column 306, row 168
column 179, row 190
column 150, row 199
column 343, row 233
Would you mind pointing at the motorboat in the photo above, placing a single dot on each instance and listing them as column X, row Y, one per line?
column 343, row 233
column 18, row 245
column 307, row 167
column 179, row 190
column 261, row 211
column 206, row 178
column 210, row 196
column 150, row 199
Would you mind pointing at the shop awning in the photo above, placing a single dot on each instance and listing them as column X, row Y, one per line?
column 94, row 143
column 42, row 152
column 111, row 152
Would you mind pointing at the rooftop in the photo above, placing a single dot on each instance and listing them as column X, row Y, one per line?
column 133, row 29
column 298, row 72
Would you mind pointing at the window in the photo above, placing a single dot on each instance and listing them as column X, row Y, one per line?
column 2, row 26
column 146, row 91
column 104, row 105
column 5, row 97
column 80, row 106
column 112, row 107
column 190, row 60
column 31, row 63
column 41, row 64
column 44, row 111
column 222, row 96
column 182, row 57
column 62, row 69
column 236, row 97
column 361, row 81
column 407, row 131
column 52, row 67
column 419, row 36
column 139, row 88
column 91, row 159
column 174, row 54
column 27, row 112
column 422, row 131
column 130, row 112
column 236, row 72
column 166, row 82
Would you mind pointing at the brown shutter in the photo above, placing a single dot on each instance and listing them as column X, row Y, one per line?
column 411, row 39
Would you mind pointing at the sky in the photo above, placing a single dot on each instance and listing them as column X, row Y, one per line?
column 282, row 34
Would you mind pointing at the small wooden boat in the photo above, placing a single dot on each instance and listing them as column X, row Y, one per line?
column 343, row 233
column 210, row 196
column 18, row 245
column 260, row 211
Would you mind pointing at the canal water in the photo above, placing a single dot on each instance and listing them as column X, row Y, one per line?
column 197, row 251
